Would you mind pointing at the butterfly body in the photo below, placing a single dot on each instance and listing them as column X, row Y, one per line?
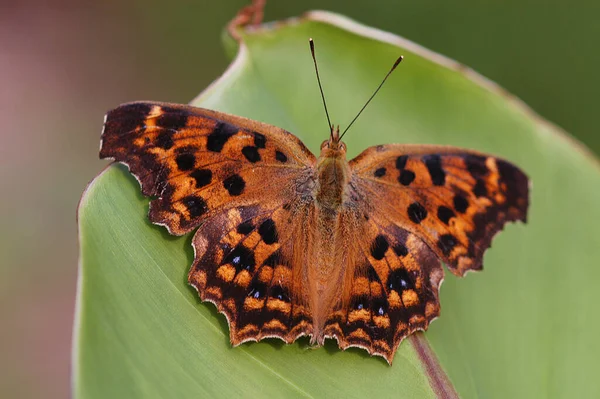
column 287, row 244
column 333, row 215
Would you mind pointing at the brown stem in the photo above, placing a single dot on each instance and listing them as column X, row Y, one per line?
column 438, row 379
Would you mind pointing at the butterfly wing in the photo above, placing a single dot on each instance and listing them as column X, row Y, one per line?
column 244, row 265
column 210, row 169
column 453, row 199
column 393, row 291
column 418, row 205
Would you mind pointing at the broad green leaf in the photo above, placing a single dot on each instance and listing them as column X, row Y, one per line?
column 524, row 327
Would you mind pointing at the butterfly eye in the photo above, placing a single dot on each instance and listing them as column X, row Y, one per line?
column 342, row 146
column 325, row 144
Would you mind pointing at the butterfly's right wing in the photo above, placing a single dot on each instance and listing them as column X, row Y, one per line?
column 239, row 181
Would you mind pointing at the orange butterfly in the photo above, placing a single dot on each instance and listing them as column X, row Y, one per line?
column 290, row 245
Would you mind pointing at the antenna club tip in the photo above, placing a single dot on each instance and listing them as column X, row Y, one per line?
column 399, row 60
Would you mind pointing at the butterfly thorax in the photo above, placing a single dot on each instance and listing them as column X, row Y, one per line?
column 333, row 173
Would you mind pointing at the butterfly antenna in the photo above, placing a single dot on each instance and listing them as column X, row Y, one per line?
column 398, row 61
column 312, row 51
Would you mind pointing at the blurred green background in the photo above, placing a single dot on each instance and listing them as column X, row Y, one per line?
column 64, row 63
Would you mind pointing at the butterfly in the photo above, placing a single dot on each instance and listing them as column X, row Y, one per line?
column 288, row 244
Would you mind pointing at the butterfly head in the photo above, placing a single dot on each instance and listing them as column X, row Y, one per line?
column 333, row 147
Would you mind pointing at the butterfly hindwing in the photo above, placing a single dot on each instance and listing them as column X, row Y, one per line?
column 243, row 265
column 199, row 162
column 455, row 200
column 393, row 292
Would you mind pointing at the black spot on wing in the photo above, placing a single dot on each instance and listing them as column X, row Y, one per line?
column 185, row 161
column 401, row 162
column 245, row 228
column 217, row 139
column 257, row 289
column 202, row 177
column 433, row 163
column 445, row 214
column 234, row 185
column 274, row 259
column 379, row 305
column 476, row 165
column 164, row 140
column 416, row 212
column 241, row 258
column 480, row 190
column 172, row 119
column 460, row 203
column 400, row 249
column 268, row 232
column 260, row 141
column 371, row 273
column 406, row 177
column 379, row 172
column 281, row 293
column 379, row 247
column 196, row 205
column 446, row 243
column 251, row 153
column 360, row 302
column 399, row 280
column 280, row 156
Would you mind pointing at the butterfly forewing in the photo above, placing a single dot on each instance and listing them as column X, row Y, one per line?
column 200, row 162
column 455, row 200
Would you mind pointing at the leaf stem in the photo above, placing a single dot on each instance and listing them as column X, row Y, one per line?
column 438, row 379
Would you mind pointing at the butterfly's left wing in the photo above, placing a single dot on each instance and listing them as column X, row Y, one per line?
column 417, row 205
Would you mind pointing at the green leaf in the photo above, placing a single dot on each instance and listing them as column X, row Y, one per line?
column 526, row 326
